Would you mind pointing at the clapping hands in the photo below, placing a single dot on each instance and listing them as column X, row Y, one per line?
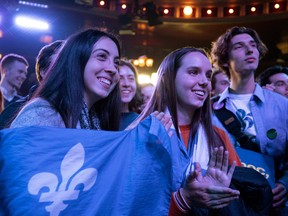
column 211, row 190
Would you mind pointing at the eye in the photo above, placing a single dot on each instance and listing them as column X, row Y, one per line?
column 117, row 63
column 208, row 75
column 237, row 46
column 102, row 56
column 193, row 72
column 279, row 84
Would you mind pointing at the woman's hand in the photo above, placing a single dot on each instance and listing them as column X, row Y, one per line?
column 211, row 190
column 164, row 119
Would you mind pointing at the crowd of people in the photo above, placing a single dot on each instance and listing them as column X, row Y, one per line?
column 210, row 104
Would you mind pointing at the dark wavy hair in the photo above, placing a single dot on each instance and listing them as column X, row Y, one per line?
column 136, row 101
column 264, row 77
column 64, row 84
column 165, row 96
column 220, row 47
column 44, row 58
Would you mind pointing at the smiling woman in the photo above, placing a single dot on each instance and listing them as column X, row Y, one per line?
column 183, row 90
column 81, row 87
column 130, row 93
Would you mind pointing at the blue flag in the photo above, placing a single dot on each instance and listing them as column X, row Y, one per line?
column 54, row 171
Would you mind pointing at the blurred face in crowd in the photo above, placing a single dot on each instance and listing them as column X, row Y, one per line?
column 127, row 84
column 146, row 92
column 101, row 71
column 221, row 83
column 16, row 74
column 193, row 82
column 280, row 83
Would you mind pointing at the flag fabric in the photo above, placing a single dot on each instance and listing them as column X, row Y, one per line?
column 56, row 171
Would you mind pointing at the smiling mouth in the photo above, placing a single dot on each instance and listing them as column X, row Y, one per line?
column 125, row 92
column 105, row 81
column 199, row 93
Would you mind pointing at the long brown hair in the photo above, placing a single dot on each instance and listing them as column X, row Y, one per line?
column 164, row 97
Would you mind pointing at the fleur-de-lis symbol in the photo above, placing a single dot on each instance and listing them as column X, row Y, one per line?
column 64, row 190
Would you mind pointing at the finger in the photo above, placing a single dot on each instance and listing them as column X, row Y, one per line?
column 231, row 170
column 278, row 204
column 196, row 174
column 279, row 196
column 212, row 160
column 222, row 190
column 219, row 158
column 277, row 189
column 170, row 133
column 155, row 113
column 225, row 163
column 219, row 202
column 168, row 124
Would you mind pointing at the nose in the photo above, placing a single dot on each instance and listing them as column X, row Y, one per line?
column 249, row 49
column 124, row 82
column 111, row 67
column 203, row 81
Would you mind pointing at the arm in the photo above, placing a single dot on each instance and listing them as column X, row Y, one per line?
column 38, row 112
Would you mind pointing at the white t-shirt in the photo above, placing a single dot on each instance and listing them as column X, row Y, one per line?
column 239, row 104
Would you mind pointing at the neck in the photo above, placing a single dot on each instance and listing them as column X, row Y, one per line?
column 184, row 117
column 243, row 85
column 10, row 89
column 124, row 107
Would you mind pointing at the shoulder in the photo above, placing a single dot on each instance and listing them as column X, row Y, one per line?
column 273, row 99
column 38, row 112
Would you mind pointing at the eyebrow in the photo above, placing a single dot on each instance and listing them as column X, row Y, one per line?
column 242, row 42
column 104, row 50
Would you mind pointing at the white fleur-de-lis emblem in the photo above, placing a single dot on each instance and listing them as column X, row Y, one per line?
column 64, row 190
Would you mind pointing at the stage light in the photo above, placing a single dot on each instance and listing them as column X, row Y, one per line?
column 103, row 4
column 166, row 11
column 31, row 23
column 187, row 11
column 254, row 9
column 209, row 12
column 154, row 78
column 33, row 4
column 277, row 7
column 143, row 61
column 143, row 79
column 123, row 6
column 231, row 11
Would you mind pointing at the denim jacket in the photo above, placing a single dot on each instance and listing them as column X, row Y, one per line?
column 270, row 111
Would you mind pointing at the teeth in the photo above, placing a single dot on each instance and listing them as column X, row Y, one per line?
column 125, row 91
column 201, row 93
column 106, row 81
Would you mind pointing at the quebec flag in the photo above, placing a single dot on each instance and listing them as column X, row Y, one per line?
column 54, row 171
